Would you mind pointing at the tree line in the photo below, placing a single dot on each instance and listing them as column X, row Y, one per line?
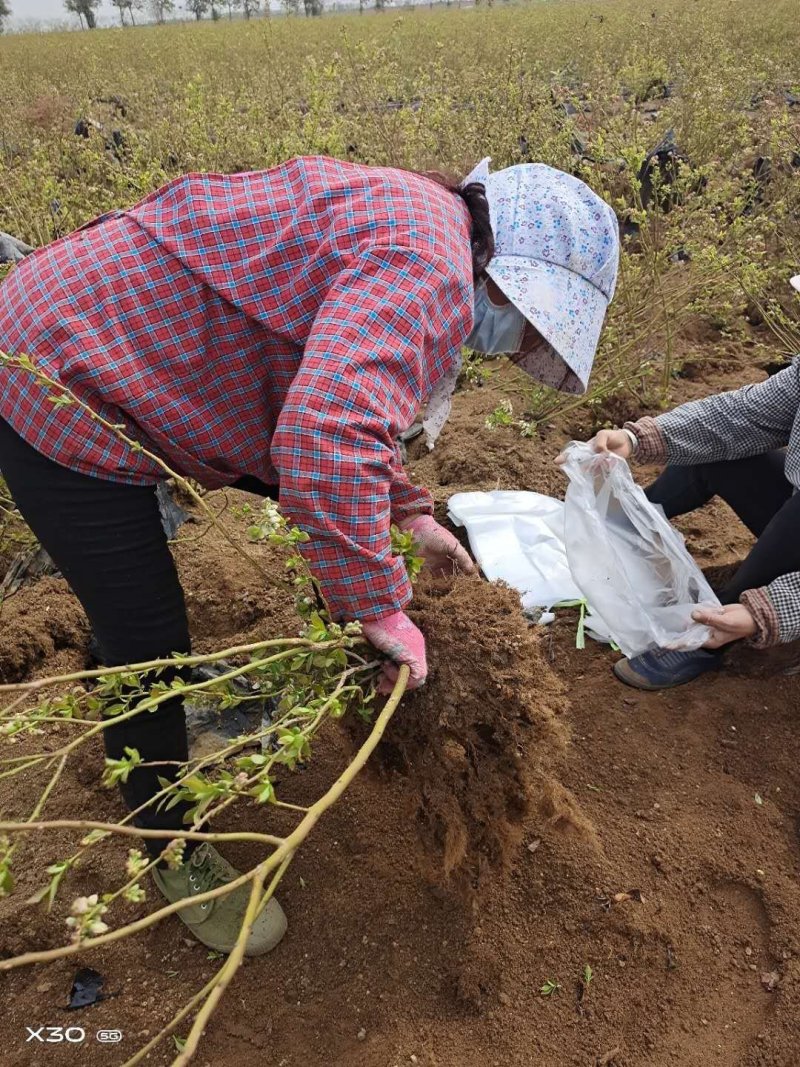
column 160, row 10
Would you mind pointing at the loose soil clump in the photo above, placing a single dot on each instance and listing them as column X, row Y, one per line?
column 478, row 736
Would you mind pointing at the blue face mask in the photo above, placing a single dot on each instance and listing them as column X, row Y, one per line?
column 496, row 329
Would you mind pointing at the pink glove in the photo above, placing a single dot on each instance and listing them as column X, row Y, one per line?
column 399, row 638
column 441, row 551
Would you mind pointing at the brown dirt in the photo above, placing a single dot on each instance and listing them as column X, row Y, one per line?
column 481, row 735
column 523, row 774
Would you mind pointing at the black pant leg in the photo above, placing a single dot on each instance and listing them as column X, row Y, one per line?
column 758, row 491
column 755, row 488
column 251, row 484
column 107, row 540
column 776, row 552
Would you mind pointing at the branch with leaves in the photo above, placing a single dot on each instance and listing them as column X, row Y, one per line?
column 308, row 681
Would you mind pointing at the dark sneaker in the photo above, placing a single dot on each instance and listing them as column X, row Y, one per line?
column 217, row 922
column 664, row 668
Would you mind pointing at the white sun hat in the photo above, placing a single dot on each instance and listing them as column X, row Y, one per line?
column 556, row 259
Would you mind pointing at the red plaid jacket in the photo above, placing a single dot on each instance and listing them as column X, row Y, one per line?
column 285, row 324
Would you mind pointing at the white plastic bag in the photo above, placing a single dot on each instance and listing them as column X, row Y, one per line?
column 518, row 538
column 629, row 563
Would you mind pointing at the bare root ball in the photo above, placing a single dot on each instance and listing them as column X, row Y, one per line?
column 480, row 733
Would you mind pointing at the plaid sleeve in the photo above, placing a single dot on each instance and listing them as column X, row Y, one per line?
column 381, row 339
column 776, row 609
column 406, row 499
column 768, row 624
column 651, row 447
column 731, row 425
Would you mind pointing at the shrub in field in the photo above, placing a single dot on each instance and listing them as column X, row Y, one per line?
column 707, row 237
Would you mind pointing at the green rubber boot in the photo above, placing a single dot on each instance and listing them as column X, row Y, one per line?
column 217, row 922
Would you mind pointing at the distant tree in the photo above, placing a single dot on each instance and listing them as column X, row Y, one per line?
column 290, row 7
column 84, row 9
column 159, row 9
column 232, row 5
column 312, row 7
column 197, row 7
column 250, row 7
column 5, row 11
column 127, row 5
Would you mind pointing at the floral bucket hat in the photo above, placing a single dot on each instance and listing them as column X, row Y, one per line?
column 556, row 258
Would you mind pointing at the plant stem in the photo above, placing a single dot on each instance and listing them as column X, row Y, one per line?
column 288, row 846
column 136, row 831
column 284, row 853
column 176, row 661
column 227, row 971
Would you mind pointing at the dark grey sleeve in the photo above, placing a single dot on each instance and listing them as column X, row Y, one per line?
column 733, row 425
column 12, row 250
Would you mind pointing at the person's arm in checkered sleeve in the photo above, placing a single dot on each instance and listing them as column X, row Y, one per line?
column 776, row 609
column 407, row 499
column 773, row 610
column 731, row 425
column 365, row 371
column 412, row 511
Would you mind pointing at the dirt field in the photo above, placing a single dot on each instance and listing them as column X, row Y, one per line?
column 479, row 855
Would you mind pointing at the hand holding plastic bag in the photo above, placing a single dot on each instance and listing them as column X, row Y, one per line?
column 629, row 563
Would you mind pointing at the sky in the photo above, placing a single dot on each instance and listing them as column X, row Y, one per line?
column 44, row 10
column 37, row 9
column 23, row 11
column 49, row 10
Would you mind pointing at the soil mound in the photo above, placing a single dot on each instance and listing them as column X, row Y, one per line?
column 42, row 624
column 477, row 738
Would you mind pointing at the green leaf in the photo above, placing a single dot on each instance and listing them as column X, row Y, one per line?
column 264, row 792
column 118, row 770
column 48, row 892
column 6, row 880
column 94, row 836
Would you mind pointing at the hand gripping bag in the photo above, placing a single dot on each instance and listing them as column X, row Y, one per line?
column 628, row 561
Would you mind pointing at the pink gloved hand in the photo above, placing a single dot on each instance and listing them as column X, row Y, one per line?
column 441, row 551
column 399, row 638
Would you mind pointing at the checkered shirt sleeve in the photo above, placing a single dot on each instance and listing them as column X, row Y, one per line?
column 407, row 499
column 730, row 425
column 383, row 333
